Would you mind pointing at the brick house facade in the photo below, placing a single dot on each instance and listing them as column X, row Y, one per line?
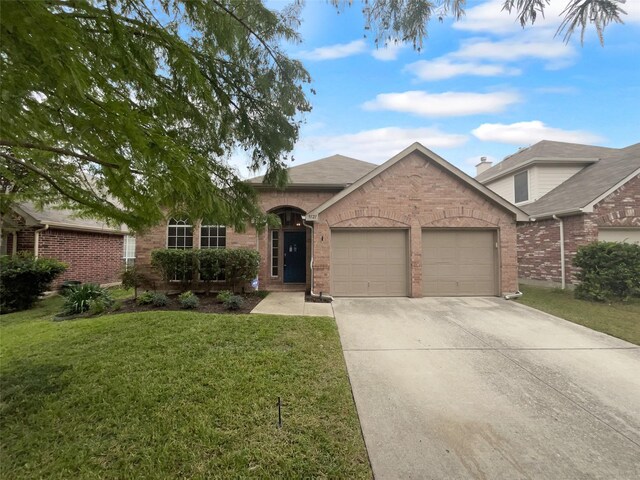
column 93, row 253
column 413, row 193
column 539, row 241
column 582, row 193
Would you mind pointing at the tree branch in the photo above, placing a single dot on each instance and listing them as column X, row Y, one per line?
column 61, row 151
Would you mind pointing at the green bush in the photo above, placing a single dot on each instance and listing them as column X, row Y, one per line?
column 224, row 295
column 211, row 263
column 87, row 296
column 241, row 266
column 234, row 302
column 608, row 270
column 174, row 264
column 23, row 278
column 188, row 300
column 156, row 299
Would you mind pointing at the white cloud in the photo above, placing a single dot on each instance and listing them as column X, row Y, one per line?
column 379, row 144
column 332, row 52
column 489, row 17
column 447, row 104
column 526, row 133
column 388, row 52
column 517, row 48
column 443, row 68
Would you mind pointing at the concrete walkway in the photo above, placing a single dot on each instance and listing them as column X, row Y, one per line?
column 292, row 303
column 489, row 389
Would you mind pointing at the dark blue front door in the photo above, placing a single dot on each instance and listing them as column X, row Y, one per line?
column 295, row 257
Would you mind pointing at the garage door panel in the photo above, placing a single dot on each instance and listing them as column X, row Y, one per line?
column 622, row 235
column 369, row 262
column 459, row 262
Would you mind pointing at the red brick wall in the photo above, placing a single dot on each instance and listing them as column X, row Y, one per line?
column 92, row 257
column 539, row 242
column 416, row 194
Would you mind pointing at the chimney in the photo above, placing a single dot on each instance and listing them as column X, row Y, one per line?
column 483, row 166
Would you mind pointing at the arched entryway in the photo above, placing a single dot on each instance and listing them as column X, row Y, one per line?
column 288, row 247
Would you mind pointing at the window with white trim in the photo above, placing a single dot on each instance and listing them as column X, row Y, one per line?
column 521, row 187
column 180, row 234
column 275, row 247
column 213, row 236
column 129, row 253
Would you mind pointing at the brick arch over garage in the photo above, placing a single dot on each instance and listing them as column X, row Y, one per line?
column 625, row 217
column 458, row 217
column 370, row 217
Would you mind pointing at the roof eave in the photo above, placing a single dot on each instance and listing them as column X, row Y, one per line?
column 538, row 161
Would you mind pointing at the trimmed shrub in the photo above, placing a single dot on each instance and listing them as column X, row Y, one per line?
column 234, row 302
column 608, row 270
column 174, row 264
column 156, row 299
column 88, row 296
column 23, row 278
column 224, row 295
column 188, row 300
column 211, row 262
column 241, row 266
column 132, row 278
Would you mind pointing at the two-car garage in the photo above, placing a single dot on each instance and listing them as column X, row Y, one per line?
column 455, row 262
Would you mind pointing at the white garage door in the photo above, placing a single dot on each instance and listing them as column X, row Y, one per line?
column 459, row 263
column 369, row 263
column 625, row 235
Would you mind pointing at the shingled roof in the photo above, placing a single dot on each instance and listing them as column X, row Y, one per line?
column 66, row 219
column 590, row 184
column 334, row 171
column 546, row 150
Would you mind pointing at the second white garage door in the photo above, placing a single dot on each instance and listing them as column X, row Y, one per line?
column 369, row 263
column 459, row 263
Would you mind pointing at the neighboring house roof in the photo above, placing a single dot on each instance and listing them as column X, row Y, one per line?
column 417, row 147
column 65, row 219
column 590, row 185
column 543, row 152
column 334, row 171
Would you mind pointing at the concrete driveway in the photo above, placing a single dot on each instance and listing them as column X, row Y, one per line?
column 485, row 388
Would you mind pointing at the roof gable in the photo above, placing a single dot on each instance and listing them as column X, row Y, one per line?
column 333, row 171
column 548, row 152
column 590, row 185
column 417, row 147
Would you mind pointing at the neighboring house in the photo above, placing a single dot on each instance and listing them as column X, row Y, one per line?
column 414, row 226
column 94, row 251
column 577, row 193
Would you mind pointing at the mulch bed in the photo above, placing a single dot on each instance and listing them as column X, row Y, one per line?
column 208, row 304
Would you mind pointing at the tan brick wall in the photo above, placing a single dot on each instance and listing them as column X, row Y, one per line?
column 156, row 237
column 539, row 242
column 416, row 194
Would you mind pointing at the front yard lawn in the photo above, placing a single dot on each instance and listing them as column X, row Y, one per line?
column 620, row 320
column 175, row 395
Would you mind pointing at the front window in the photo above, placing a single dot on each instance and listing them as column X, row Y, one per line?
column 213, row 236
column 180, row 234
column 129, row 254
column 521, row 187
column 274, row 252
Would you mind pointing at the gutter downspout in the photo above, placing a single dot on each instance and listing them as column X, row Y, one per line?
column 562, row 267
column 36, row 239
column 313, row 294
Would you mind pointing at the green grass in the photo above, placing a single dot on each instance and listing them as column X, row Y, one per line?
column 174, row 395
column 620, row 320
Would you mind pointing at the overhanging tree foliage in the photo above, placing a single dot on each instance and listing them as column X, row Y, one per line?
column 144, row 100
column 121, row 108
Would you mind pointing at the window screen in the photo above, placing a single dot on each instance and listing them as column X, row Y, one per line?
column 521, row 187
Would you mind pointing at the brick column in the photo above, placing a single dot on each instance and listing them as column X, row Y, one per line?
column 415, row 254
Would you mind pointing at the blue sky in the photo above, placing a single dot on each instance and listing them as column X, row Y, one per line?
column 482, row 86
